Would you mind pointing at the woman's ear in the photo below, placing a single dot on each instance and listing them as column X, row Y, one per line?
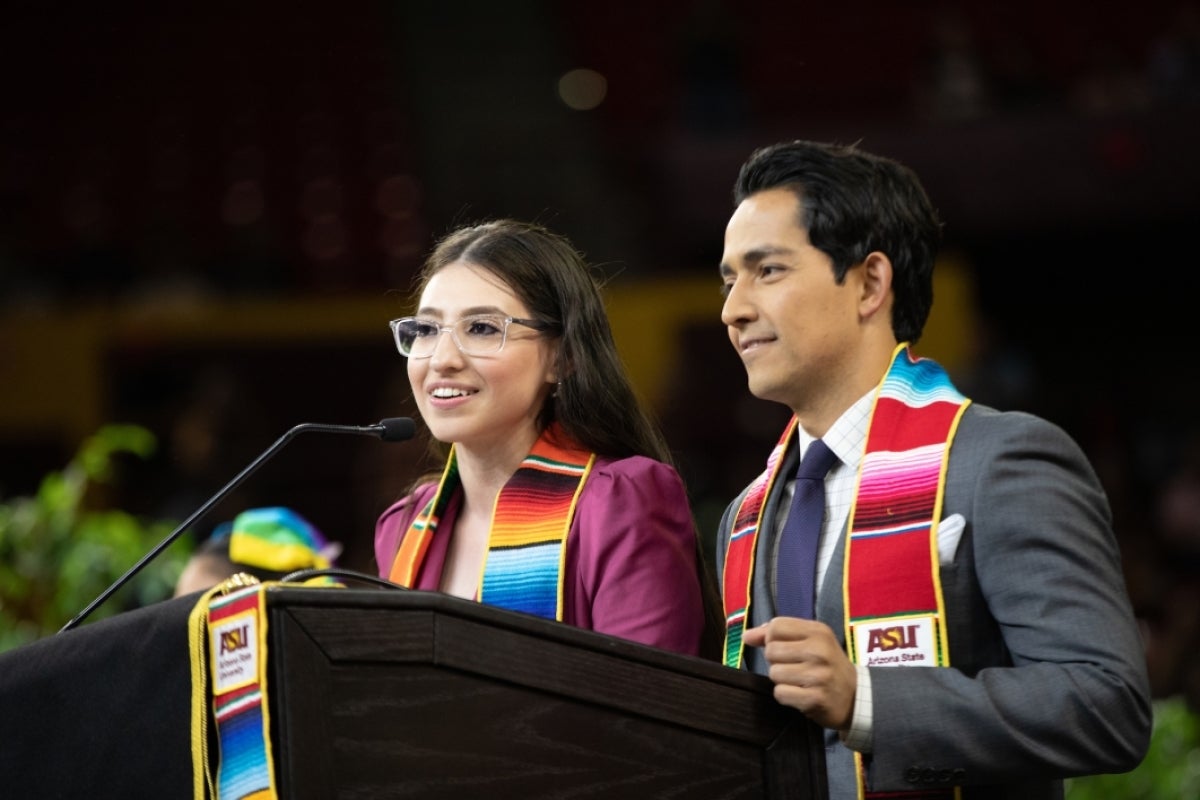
column 559, row 367
column 554, row 376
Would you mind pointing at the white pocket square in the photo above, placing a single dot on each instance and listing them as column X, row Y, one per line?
column 949, row 533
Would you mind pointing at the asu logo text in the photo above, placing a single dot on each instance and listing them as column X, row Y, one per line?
column 908, row 641
column 234, row 639
column 892, row 638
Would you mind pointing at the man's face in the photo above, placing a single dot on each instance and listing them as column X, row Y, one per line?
column 789, row 321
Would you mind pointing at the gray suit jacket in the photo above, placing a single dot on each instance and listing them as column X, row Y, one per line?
column 1047, row 675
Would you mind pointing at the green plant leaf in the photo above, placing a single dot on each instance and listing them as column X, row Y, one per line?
column 1170, row 770
column 58, row 550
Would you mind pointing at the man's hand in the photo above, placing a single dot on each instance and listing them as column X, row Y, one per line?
column 810, row 670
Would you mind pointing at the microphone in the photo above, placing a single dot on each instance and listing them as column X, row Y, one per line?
column 392, row 429
column 395, row 429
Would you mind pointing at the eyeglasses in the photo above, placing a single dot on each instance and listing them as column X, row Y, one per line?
column 477, row 335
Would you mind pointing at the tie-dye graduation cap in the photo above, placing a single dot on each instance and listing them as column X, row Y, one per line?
column 278, row 539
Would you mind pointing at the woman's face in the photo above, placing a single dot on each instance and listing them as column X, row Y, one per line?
column 482, row 403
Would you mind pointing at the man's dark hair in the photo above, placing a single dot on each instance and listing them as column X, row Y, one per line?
column 853, row 203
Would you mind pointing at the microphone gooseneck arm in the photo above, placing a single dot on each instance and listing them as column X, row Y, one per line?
column 393, row 429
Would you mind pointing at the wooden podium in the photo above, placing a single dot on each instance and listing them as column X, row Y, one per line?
column 405, row 694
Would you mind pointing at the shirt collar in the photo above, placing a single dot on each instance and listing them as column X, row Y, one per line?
column 847, row 436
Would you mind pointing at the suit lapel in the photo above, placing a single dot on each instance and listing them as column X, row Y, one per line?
column 831, row 608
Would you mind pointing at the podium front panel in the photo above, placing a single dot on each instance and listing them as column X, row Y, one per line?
column 421, row 695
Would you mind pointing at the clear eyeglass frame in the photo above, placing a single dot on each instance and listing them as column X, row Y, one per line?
column 405, row 334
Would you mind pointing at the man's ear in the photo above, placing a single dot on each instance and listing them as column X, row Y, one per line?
column 877, row 283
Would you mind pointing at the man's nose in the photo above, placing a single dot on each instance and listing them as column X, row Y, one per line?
column 737, row 306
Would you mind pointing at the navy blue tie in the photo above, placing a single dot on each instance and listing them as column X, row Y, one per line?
column 796, row 570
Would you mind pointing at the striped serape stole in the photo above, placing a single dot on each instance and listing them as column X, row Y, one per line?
column 895, row 611
column 531, row 518
column 228, row 643
column 739, row 553
column 527, row 544
column 415, row 544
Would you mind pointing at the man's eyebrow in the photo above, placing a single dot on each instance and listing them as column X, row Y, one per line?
column 766, row 251
column 756, row 255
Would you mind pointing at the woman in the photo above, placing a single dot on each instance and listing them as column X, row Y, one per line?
column 558, row 496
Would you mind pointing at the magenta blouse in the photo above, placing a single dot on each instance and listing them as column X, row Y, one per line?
column 631, row 554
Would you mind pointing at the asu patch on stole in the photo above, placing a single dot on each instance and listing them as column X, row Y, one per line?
column 905, row 641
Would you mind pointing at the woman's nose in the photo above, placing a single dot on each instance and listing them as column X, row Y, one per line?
column 445, row 350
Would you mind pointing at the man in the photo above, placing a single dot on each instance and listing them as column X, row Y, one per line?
column 972, row 628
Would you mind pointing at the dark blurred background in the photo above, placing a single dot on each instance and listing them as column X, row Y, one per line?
column 208, row 213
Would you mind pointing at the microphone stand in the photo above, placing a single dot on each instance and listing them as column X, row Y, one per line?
column 387, row 429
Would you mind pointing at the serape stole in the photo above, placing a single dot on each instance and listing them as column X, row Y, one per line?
column 227, row 636
column 895, row 610
column 891, row 578
column 739, row 553
column 415, row 544
column 523, row 567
